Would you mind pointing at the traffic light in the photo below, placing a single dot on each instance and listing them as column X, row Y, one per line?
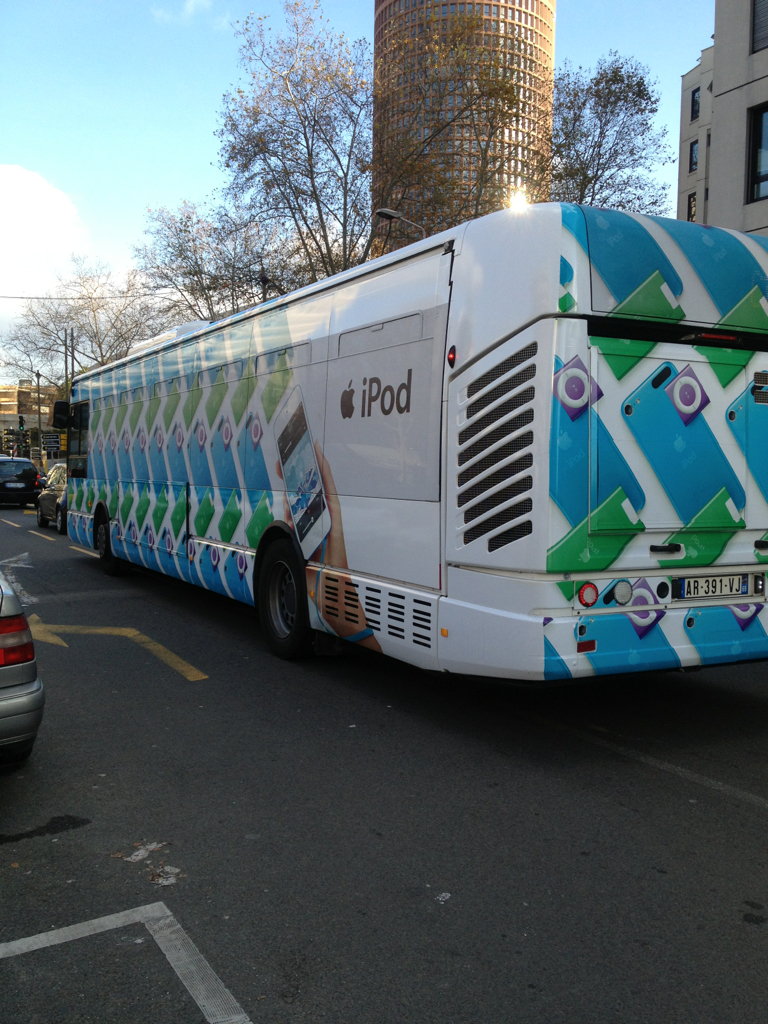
column 21, row 422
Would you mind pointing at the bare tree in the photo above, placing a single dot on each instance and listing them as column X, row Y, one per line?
column 297, row 137
column 605, row 147
column 108, row 318
column 206, row 264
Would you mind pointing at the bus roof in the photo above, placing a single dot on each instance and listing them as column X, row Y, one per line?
column 577, row 260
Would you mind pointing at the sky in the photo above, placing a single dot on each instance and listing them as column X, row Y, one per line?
column 109, row 108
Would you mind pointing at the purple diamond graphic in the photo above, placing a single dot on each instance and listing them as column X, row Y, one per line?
column 643, row 621
column 256, row 431
column 745, row 613
column 226, row 433
column 573, row 388
column 687, row 395
column 242, row 564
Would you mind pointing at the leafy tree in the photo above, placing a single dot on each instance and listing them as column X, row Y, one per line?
column 108, row 318
column 605, row 146
column 209, row 264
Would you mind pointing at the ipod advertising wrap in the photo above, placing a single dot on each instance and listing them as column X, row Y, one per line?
column 382, row 436
column 301, row 473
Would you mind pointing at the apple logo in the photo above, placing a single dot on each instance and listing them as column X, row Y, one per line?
column 347, row 405
column 679, row 444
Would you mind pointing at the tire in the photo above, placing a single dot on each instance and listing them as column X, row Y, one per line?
column 42, row 521
column 61, row 520
column 283, row 602
column 111, row 565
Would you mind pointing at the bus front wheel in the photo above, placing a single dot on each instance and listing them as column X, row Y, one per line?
column 111, row 565
column 283, row 602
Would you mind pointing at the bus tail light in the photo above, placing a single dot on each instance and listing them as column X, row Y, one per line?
column 16, row 646
column 588, row 594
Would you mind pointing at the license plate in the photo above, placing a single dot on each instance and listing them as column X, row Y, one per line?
column 15, row 485
column 691, row 587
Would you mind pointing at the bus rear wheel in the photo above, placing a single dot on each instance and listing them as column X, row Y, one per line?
column 111, row 565
column 283, row 602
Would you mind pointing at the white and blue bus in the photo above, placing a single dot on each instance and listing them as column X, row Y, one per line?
column 532, row 447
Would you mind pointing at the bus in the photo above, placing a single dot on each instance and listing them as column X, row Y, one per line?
column 531, row 447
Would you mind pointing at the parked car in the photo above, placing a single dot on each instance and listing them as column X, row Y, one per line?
column 22, row 697
column 52, row 503
column 20, row 482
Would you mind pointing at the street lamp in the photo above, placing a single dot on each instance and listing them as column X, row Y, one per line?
column 391, row 215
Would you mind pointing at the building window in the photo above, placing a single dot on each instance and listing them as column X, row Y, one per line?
column 759, row 24
column 695, row 103
column 758, row 157
column 692, row 206
column 693, row 157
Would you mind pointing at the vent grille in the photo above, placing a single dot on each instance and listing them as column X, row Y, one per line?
column 504, row 367
column 487, row 484
column 497, row 435
column 392, row 613
column 498, row 413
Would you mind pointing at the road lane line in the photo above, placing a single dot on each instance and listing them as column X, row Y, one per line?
column 215, row 1001
column 655, row 762
column 45, row 633
column 84, row 551
column 43, row 536
column 10, row 522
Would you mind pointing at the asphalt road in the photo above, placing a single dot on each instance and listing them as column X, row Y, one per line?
column 361, row 842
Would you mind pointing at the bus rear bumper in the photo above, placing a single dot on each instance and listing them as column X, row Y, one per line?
column 479, row 640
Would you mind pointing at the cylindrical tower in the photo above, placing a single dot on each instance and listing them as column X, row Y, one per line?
column 520, row 38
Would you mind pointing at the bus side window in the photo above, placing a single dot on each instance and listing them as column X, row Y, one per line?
column 77, row 454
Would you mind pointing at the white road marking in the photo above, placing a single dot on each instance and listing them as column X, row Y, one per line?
column 10, row 522
column 44, row 536
column 215, row 1001
column 664, row 766
column 18, row 561
column 84, row 551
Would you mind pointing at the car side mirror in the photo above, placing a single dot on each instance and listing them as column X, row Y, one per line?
column 60, row 418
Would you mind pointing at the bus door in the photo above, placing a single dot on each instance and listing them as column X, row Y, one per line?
column 664, row 459
column 383, row 416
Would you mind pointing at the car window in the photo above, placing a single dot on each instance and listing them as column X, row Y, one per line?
column 17, row 469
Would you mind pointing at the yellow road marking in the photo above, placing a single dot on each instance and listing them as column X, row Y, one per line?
column 84, row 551
column 10, row 522
column 43, row 535
column 28, row 512
column 50, row 635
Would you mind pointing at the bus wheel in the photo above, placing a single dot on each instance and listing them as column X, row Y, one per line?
column 111, row 565
column 283, row 602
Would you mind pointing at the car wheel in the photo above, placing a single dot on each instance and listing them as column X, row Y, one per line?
column 61, row 520
column 16, row 753
column 111, row 565
column 42, row 522
column 283, row 602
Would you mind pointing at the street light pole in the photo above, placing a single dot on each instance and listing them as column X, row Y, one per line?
column 390, row 215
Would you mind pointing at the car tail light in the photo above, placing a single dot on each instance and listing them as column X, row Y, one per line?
column 16, row 646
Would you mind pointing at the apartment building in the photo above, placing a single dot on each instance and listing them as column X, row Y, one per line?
column 723, row 169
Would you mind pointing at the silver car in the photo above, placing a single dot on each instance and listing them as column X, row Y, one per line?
column 22, row 697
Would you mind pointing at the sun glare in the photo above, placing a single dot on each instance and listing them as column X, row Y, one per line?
column 518, row 201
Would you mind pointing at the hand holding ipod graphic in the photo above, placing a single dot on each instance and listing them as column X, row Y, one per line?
column 332, row 552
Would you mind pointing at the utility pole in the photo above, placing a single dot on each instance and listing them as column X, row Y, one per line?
column 39, row 420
